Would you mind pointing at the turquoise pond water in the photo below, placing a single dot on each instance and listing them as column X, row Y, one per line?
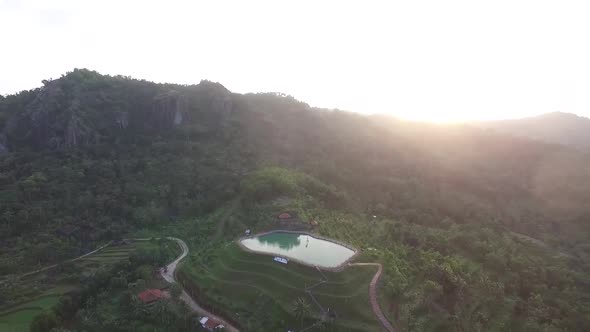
column 302, row 247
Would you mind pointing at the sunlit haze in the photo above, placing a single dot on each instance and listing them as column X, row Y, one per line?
column 424, row 60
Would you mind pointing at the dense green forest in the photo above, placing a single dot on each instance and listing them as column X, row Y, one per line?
column 477, row 231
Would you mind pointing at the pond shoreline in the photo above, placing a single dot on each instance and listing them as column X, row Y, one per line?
column 337, row 268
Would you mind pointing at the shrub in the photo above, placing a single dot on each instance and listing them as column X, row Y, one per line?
column 43, row 322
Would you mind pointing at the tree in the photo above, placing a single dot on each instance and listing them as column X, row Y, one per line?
column 164, row 312
column 119, row 282
column 140, row 285
column 66, row 307
column 44, row 321
column 175, row 290
column 139, row 309
column 301, row 309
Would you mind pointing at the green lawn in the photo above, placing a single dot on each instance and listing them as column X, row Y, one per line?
column 18, row 321
column 249, row 286
column 19, row 317
column 42, row 302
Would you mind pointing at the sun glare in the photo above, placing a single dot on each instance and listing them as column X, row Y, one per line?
column 427, row 63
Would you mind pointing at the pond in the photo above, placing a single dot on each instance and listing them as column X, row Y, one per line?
column 302, row 247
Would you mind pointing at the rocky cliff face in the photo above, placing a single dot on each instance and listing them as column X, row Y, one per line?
column 213, row 103
column 56, row 118
column 222, row 104
column 85, row 108
column 122, row 120
column 169, row 109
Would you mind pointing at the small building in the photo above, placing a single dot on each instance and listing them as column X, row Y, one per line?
column 210, row 324
column 248, row 232
column 150, row 296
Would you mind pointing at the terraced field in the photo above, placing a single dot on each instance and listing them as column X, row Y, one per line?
column 249, row 285
column 47, row 287
column 111, row 254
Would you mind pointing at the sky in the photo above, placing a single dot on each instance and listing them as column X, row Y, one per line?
column 442, row 61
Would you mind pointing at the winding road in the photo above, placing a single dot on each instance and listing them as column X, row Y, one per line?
column 168, row 275
column 373, row 295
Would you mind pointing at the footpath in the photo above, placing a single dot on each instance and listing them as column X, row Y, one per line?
column 373, row 295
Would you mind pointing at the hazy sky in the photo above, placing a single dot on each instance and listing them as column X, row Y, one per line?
column 434, row 60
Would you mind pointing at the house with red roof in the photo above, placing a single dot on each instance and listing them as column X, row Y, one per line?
column 150, row 296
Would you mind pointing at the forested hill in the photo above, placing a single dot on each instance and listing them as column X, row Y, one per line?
column 110, row 151
column 98, row 156
column 557, row 127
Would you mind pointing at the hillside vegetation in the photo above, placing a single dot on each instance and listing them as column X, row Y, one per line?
column 557, row 127
column 448, row 210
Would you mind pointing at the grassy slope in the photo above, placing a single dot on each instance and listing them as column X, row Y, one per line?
column 257, row 289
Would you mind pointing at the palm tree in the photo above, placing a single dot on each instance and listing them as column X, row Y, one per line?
column 139, row 309
column 163, row 310
column 301, row 309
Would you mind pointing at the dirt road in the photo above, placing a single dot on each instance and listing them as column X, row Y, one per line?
column 373, row 295
column 168, row 275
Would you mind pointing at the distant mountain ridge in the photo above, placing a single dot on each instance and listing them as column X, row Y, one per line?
column 556, row 127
